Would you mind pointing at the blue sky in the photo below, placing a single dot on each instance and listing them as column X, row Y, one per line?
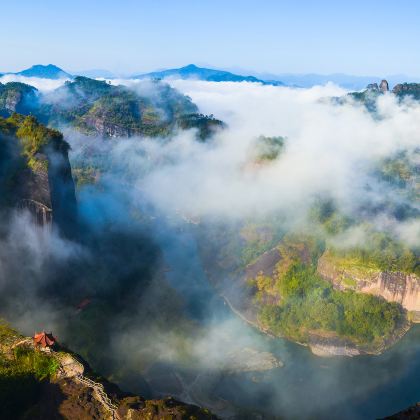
column 356, row 37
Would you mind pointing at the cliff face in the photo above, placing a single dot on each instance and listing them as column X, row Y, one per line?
column 34, row 192
column 62, row 189
column 48, row 191
column 16, row 97
column 397, row 287
column 100, row 124
column 40, row 180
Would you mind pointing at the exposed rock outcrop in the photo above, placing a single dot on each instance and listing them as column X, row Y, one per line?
column 407, row 89
column 101, row 125
column 72, row 391
column 403, row 288
column 16, row 97
column 332, row 347
column 384, row 87
column 34, row 192
column 39, row 181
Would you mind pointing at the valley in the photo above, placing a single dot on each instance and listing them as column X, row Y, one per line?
column 151, row 238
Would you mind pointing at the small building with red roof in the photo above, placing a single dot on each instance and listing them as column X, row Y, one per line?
column 44, row 340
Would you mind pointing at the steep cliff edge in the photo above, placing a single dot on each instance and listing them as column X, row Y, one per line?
column 403, row 288
column 36, row 173
column 17, row 97
column 57, row 384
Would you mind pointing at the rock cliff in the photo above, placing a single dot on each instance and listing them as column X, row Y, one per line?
column 384, row 87
column 37, row 173
column 16, row 97
column 403, row 288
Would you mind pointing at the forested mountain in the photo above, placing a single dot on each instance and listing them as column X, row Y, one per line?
column 97, row 107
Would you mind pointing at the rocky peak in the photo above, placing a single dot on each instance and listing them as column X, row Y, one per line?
column 384, row 87
column 403, row 89
column 373, row 86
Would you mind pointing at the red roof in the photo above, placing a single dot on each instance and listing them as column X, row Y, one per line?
column 44, row 339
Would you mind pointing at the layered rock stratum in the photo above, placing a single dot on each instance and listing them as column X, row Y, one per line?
column 403, row 288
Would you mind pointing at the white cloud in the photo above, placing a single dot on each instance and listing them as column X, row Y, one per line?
column 44, row 85
column 330, row 149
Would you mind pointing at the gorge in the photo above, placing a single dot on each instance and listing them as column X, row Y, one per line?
column 175, row 216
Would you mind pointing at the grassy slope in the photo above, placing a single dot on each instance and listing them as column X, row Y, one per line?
column 22, row 373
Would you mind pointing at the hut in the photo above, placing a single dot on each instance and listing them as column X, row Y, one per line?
column 44, row 340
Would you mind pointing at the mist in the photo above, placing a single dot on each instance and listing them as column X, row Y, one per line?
column 330, row 151
column 152, row 318
column 43, row 85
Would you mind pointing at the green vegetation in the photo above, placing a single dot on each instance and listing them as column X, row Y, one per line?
column 258, row 237
column 310, row 305
column 153, row 108
column 411, row 90
column 377, row 250
column 348, row 282
column 324, row 213
column 90, row 89
column 85, row 176
column 267, row 149
column 22, row 372
column 33, row 138
column 206, row 124
column 97, row 107
column 40, row 365
column 402, row 173
column 380, row 252
column 297, row 303
column 368, row 98
column 16, row 97
column 94, row 106
column 398, row 170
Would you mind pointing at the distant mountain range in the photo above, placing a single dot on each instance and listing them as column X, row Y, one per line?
column 194, row 72
column 49, row 71
column 200, row 73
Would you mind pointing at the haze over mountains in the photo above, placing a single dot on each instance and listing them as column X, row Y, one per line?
column 194, row 72
column 210, row 75
column 191, row 194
